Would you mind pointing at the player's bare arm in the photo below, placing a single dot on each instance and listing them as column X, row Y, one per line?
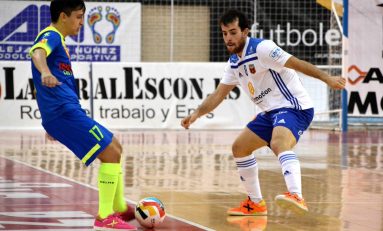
column 209, row 104
column 39, row 58
column 335, row 82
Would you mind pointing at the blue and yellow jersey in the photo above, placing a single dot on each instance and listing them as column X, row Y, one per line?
column 54, row 101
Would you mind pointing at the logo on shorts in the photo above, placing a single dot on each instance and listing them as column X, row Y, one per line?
column 281, row 112
column 282, row 121
column 300, row 132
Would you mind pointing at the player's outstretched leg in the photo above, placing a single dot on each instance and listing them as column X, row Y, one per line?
column 291, row 171
column 248, row 171
column 107, row 182
column 108, row 178
column 125, row 211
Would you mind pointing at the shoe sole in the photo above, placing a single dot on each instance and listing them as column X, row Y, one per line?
column 290, row 205
column 243, row 214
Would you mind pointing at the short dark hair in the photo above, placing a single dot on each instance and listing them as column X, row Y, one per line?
column 66, row 6
column 232, row 15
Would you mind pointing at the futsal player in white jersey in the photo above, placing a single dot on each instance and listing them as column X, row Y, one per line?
column 268, row 75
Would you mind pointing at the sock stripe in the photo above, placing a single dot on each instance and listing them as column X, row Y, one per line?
column 246, row 163
column 287, row 157
column 291, row 171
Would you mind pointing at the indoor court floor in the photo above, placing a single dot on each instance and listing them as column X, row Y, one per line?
column 44, row 187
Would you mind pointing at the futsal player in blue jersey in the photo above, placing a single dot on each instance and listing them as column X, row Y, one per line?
column 64, row 120
column 268, row 75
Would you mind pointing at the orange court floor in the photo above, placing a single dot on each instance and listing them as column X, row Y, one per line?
column 193, row 173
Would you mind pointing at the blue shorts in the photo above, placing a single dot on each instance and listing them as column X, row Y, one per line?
column 297, row 121
column 82, row 135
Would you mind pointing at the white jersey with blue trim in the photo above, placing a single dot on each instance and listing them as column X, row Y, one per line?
column 261, row 73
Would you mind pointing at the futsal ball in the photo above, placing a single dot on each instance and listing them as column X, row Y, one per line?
column 150, row 212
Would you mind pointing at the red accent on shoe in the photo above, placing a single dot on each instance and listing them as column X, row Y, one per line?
column 112, row 222
column 128, row 215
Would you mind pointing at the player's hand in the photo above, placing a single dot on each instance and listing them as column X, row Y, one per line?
column 337, row 82
column 49, row 137
column 48, row 80
column 188, row 120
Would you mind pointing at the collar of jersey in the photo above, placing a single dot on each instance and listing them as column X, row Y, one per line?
column 244, row 49
column 52, row 28
column 239, row 59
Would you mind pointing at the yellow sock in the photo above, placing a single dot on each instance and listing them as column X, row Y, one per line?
column 107, row 184
column 119, row 204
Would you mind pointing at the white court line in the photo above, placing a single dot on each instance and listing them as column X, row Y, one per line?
column 95, row 188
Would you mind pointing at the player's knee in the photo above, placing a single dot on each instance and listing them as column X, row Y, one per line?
column 112, row 154
column 237, row 149
column 275, row 147
column 279, row 145
column 116, row 152
column 116, row 144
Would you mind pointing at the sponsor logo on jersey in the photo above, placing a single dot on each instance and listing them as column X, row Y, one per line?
column 66, row 69
column 252, row 68
column 262, row 94
column 276, row 53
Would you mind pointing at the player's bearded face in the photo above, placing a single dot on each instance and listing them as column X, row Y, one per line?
column 234, row 38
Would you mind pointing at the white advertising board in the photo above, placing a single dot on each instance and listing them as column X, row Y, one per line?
column 111, row 31
column 364, row 59
column 137, row 95
column 158, row 95
column 18, row 108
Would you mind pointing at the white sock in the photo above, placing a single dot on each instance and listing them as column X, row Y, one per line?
column 248, row 171
column 291, row 171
